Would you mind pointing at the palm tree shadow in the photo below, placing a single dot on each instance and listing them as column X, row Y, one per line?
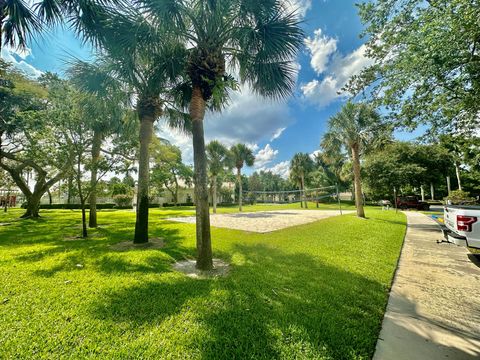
column 272, row 298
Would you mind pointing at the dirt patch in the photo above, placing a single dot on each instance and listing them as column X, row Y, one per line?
column 264, row 221
column 79, row 237
column 153, row 243
column 220, row 268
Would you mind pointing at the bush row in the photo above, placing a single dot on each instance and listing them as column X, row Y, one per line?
column 101, row 206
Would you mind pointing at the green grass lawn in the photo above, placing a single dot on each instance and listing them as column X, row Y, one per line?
column 316, row 291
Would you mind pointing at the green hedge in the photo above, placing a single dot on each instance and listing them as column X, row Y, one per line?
column 75, row 206
column 179, row 204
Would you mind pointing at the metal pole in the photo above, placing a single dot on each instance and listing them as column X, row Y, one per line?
column 338, row 198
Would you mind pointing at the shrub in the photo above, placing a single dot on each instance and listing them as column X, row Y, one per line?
column 123, row 200
column 459, row 197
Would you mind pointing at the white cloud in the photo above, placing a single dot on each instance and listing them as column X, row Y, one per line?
column 314, row 154
column 282, row 169
column 300, row 6
column 277, row 133
column 177, row 138
column 8, row 54
column 265, row 156
column 321, row 48
column 336, row 69
column 249, row 118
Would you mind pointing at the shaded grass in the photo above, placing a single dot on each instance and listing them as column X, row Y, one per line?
column 315, row 291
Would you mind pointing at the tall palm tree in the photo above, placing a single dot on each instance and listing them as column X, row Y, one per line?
column 241, row 155
column 257, row 40
column 105, row 105
column 218, row 160
column 151, row 63
column 300, row 166
column 354, row 127
column 17, row 23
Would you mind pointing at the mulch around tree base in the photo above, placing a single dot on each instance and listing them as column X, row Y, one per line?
column 153, row 243
column 220, row 268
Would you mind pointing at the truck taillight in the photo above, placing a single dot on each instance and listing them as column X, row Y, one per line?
column 464, row 223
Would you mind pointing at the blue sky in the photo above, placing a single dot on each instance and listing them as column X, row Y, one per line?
column 333, row 52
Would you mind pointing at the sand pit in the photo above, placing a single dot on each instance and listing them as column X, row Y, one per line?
column 264, row 221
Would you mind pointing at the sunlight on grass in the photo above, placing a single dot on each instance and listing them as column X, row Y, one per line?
column 316, row 291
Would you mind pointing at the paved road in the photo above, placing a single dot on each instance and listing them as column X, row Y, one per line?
column 434, row 306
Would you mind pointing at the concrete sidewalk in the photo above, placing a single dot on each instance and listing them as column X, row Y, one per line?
column 434, row 307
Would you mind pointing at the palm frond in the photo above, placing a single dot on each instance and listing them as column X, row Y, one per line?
column 19, row 24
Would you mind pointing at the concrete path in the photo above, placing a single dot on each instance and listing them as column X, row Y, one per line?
column 434, row 306
column 265, row 221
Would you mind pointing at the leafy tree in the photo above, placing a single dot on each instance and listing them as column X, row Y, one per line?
column 31, row 137
column 405, row 166
column 168, row 168
column 426, row 61
column 241, row 155
column 301, row 166
column 354, row 127
column 218, row 160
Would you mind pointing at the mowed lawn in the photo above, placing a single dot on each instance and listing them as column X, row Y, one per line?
column 316, row 291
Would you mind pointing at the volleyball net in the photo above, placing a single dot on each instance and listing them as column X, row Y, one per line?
column 321, row 194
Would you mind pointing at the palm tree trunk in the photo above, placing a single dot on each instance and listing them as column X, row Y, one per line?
column 204, row 243
column 96, row 145
column 214, row 194
column 240, row 189
column 141, row 224
column 357, row 179
column 82, row 199
column 457, row 172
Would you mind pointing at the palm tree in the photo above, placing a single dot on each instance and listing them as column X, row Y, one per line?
column 17, row 23
column 105, row 106
column 148, row 61
column 355, row 127
column 257, row 40
column 300, row 166
column 241, row 155
column 218, row 160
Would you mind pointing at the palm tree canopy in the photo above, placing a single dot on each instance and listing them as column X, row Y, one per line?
column 105, row 99
column 300, row 165
column 217, row 157
column 257, row 40
column 143, row 58
column 241, row 155
column 354, row 125
column 17, row 23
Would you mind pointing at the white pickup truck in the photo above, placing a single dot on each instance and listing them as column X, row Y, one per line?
column 462, row 226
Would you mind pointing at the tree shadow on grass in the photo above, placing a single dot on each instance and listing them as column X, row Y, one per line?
column 274, row 304
column 96, row 251
column 150, row 302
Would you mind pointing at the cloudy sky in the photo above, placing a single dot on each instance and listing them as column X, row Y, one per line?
column 332, row 52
